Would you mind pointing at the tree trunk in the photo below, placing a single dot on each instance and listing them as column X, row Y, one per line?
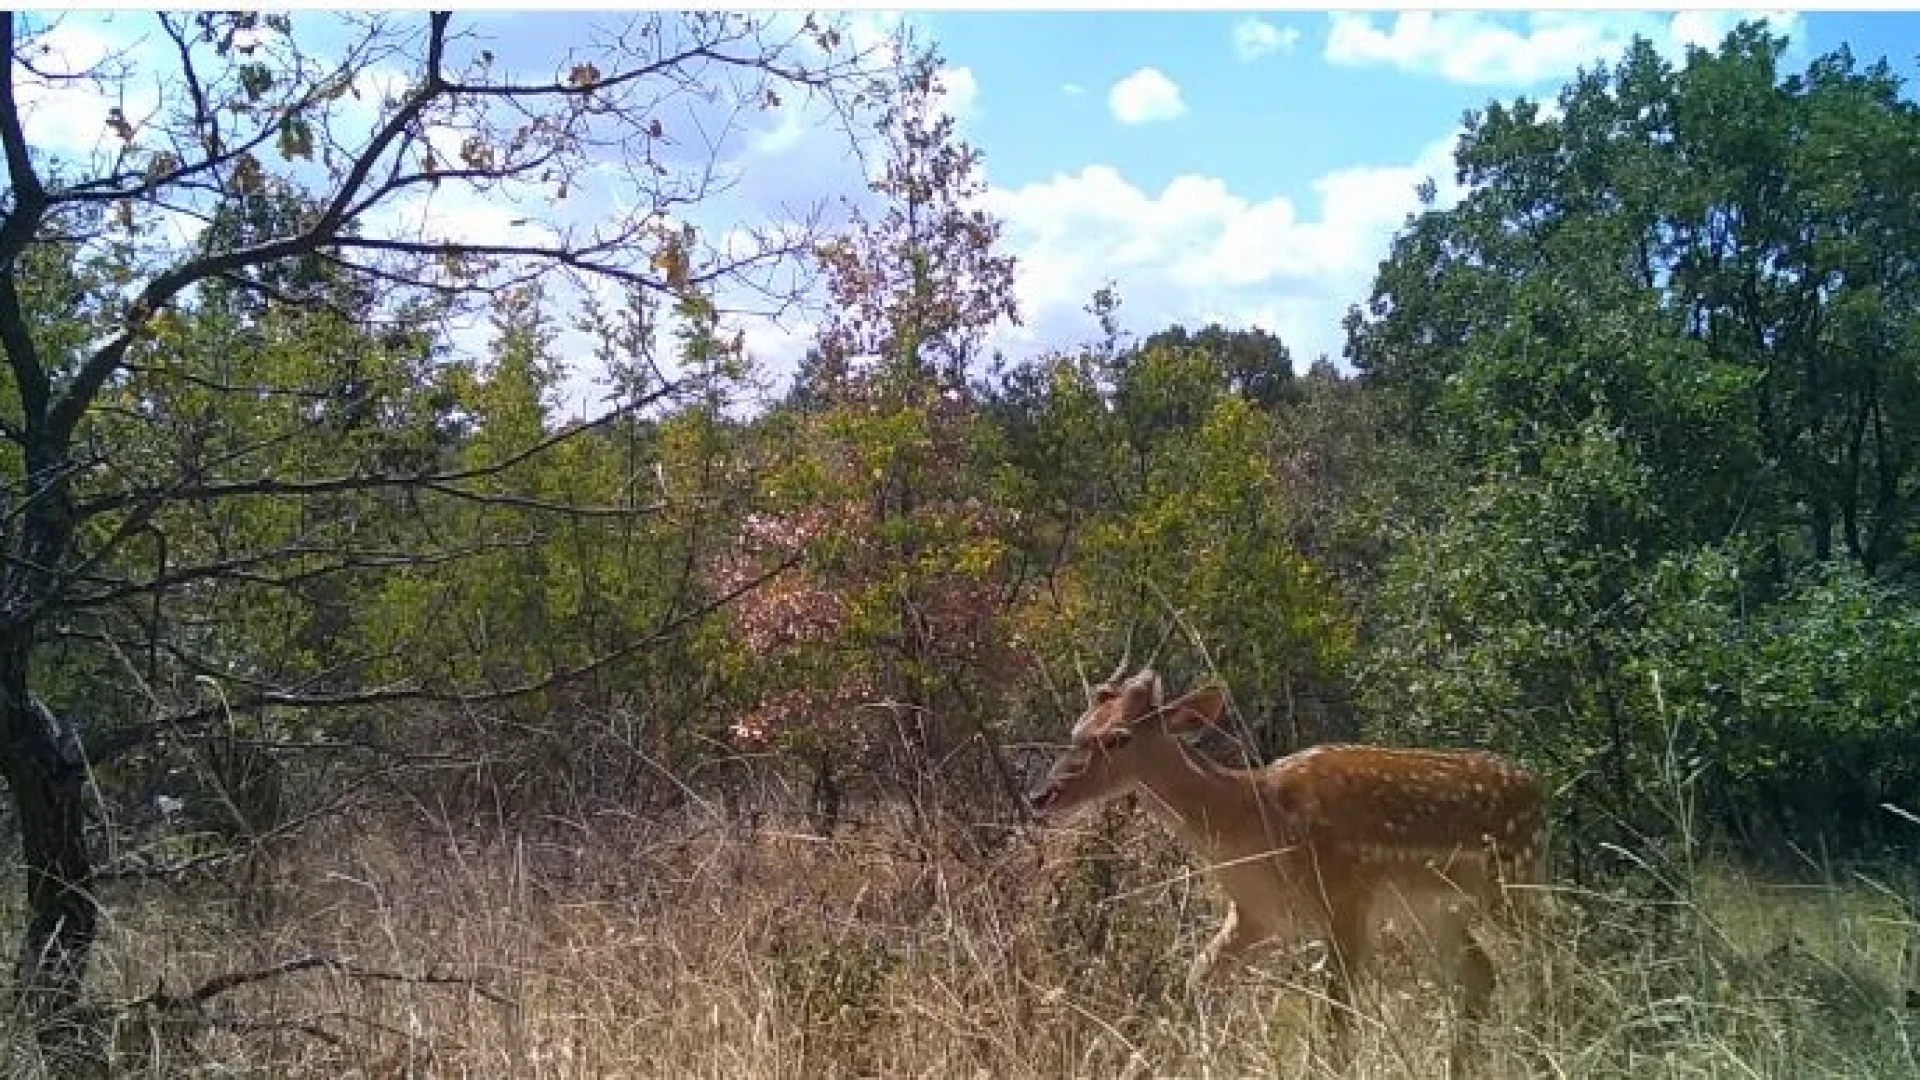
column 823, row 798
column 46, row 775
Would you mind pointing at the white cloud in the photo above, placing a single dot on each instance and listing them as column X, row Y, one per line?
column 1254, row 37
column 1474, row 48
column 959, row 92
column 1707, row 29
column 1072, row 88
column 1483, row 48
column 1197, row 251
column 459, row 213
column 69, row 47
column 1144, row 97
column 377, row 90
column 878, row 30
column 66, row 114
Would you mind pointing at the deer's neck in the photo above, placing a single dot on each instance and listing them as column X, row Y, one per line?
column 1199, row 798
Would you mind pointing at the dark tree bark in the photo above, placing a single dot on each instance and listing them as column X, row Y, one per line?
column 42, row 761
column 45, row 772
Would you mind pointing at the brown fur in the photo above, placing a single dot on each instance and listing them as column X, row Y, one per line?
column 1331, row 843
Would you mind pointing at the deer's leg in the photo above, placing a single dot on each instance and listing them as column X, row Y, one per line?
column 1350, row 948
column 1476, row 973
column 1477, row 979
column 1473, row 970
column 1223, row 955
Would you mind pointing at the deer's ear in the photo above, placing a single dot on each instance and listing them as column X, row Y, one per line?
column 1147, row 681
column 1140, row 695
column 1193, row 710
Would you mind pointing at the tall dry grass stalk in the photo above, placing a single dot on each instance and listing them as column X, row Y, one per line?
column 615, row 947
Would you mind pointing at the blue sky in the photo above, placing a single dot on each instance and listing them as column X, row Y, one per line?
column 1249, row 169
column 1285, row 145
column 1284, row 111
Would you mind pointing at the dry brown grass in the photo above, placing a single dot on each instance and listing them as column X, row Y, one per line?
column 616, row 947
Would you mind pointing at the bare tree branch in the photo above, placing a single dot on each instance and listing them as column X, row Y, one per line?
column 341, row 484
column 28, row 193
column 669, row 628
column 108, row 745
column 199, row 996
column 86, row 383
column 242, row 568
column 16, row 231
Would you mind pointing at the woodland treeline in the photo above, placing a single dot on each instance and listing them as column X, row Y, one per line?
column 1618, row 473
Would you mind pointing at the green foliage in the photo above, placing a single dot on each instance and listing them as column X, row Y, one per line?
column 1257, row 365
column 1668, row 391
column 1507, row 623
column 1808, row 713
column 220, row 404
column 1681, row 251
column 1156, row 511
column 1538, row 617
column 1206, row 534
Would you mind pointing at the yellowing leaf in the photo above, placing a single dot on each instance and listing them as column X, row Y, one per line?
column 671, row 262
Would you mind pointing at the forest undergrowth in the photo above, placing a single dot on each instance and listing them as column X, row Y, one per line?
column 706, row 945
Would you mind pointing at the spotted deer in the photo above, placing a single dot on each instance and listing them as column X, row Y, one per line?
column 1333, row 842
